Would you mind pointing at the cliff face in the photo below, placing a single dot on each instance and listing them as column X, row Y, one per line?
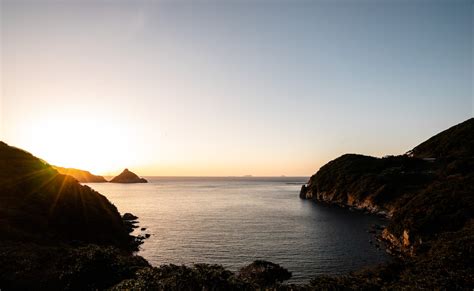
column 80, row 175
column 367, row 183
column 39, row 204
column 426, row 192
column 128, row 177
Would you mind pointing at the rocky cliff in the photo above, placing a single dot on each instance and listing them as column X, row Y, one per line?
column 425, row 192
column 80, row 175
column 128, row 177
column 367, row 183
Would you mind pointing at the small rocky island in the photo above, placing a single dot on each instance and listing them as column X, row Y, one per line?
column 128, row 177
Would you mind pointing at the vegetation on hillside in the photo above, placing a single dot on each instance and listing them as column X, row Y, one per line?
column 430, row 194
column 38, row 203
column 357, row 178
column 80, row 175
column 256, row 276
column 457, row 141
column 60, row 235
column 40, row 266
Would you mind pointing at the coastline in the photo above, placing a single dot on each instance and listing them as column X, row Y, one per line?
column 69, row 236
column 241, row 228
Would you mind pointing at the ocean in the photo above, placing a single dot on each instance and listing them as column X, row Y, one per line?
column 234, row 221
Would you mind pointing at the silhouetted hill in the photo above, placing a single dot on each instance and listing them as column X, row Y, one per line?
column 56, row 234
column 457, row 141
column 80, row 175
column 59, row 235
column 428, row 196
column 38, row 203
column 128, row 177
column 366, row 182
column 406, row 187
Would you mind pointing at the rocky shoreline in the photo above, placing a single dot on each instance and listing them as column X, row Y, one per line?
column 365, row 206
column 427, row 196
column 60, row 235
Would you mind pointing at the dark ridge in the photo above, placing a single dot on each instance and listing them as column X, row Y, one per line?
column 37, row 203
column 455, row 142
column 80, row 175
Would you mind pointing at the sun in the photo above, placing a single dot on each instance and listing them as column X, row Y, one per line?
column 94, row 145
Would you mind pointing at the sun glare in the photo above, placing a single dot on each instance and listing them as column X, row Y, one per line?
column 83, row 144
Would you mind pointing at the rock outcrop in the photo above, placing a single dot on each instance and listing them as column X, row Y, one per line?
column 81, row 175
column 128, row 177
column 367, row 183
column 304, row 192
column 424, row 192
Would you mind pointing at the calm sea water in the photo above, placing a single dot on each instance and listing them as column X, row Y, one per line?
column 234, row 221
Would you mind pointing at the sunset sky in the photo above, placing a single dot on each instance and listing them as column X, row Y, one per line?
column 219, row 88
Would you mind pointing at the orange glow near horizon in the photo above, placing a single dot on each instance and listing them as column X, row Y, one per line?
column 81, row 144
column 107, row 145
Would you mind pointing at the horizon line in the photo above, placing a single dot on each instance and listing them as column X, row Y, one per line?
column 250, row 176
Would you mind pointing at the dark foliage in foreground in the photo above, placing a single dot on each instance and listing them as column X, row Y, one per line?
column 31, row 266
column 259, row 274
column 263, row 273
column 173, row 277
column 90, row 267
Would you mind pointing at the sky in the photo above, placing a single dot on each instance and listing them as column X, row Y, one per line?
column 229, row 88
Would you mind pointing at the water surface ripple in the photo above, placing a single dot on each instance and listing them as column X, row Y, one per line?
column 234, row 221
